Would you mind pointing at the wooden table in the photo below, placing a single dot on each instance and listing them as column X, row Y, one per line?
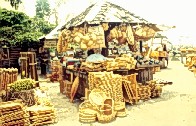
column 145, row 74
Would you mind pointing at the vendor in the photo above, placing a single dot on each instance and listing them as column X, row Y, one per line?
column 90, row 52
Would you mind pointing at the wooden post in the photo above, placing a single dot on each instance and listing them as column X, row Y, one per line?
column 141, row 46
column 33, row 66
column 1, row 73
column 24, row 65
column 135, row 83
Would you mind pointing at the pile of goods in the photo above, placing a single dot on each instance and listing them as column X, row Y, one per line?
column 25, row 90
column 156, row 88
column 144, row 92
column 23, row 84
column 190, row 61
column 157, row 54
column 123, row 62
column 22, row 89
column 122, row 34
column 91, row 37
column 154, row 54
column 57, row 71
column 40, row 115
column 92, row 66
column 105, row 101
column 141, row 60
column 13, row 114
column 42, row 98
column 143, row 32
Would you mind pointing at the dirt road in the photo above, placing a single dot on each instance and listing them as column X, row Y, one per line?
column 176, row 106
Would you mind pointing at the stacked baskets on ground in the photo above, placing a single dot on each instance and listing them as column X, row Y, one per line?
column 106, row 96
column 98, row 107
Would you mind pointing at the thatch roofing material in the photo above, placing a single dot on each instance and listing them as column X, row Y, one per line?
column 104, row 12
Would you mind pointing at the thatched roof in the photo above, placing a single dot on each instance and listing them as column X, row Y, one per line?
column 104, row 12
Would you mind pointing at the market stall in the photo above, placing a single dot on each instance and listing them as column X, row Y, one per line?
column 115, row 72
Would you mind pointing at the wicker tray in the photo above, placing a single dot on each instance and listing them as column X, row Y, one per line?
column 97, row 97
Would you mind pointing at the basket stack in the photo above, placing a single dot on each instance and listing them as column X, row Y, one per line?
column 87, row 113
column 97, row 107
column 102, row 81
column 40, row 115
column 110, row 84
column 106, row 111
column 13, row 114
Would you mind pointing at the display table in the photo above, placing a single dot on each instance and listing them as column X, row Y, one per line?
column 145, row 74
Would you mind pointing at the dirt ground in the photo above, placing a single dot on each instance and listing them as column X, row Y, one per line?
column 176, row 106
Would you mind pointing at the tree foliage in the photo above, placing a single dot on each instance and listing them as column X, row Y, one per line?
column 43, row 12
column 42, row 9
column 15, row 3
column 17, row 27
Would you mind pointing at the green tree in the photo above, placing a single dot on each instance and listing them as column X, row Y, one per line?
column 17, row 27
column 42, row 9
column 43, row 12
column 43, row 26
column 15, row 3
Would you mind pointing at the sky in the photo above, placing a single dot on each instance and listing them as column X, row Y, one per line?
column 179, row 13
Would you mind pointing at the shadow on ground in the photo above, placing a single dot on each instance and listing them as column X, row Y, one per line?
column 166, row 95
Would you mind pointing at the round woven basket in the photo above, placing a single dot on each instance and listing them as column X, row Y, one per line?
column 97, row 97
column 119, row 106
column 121, row 113
column 87, row 113
column 106, row 118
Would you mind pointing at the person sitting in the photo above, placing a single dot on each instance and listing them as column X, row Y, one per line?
column 90, row 52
